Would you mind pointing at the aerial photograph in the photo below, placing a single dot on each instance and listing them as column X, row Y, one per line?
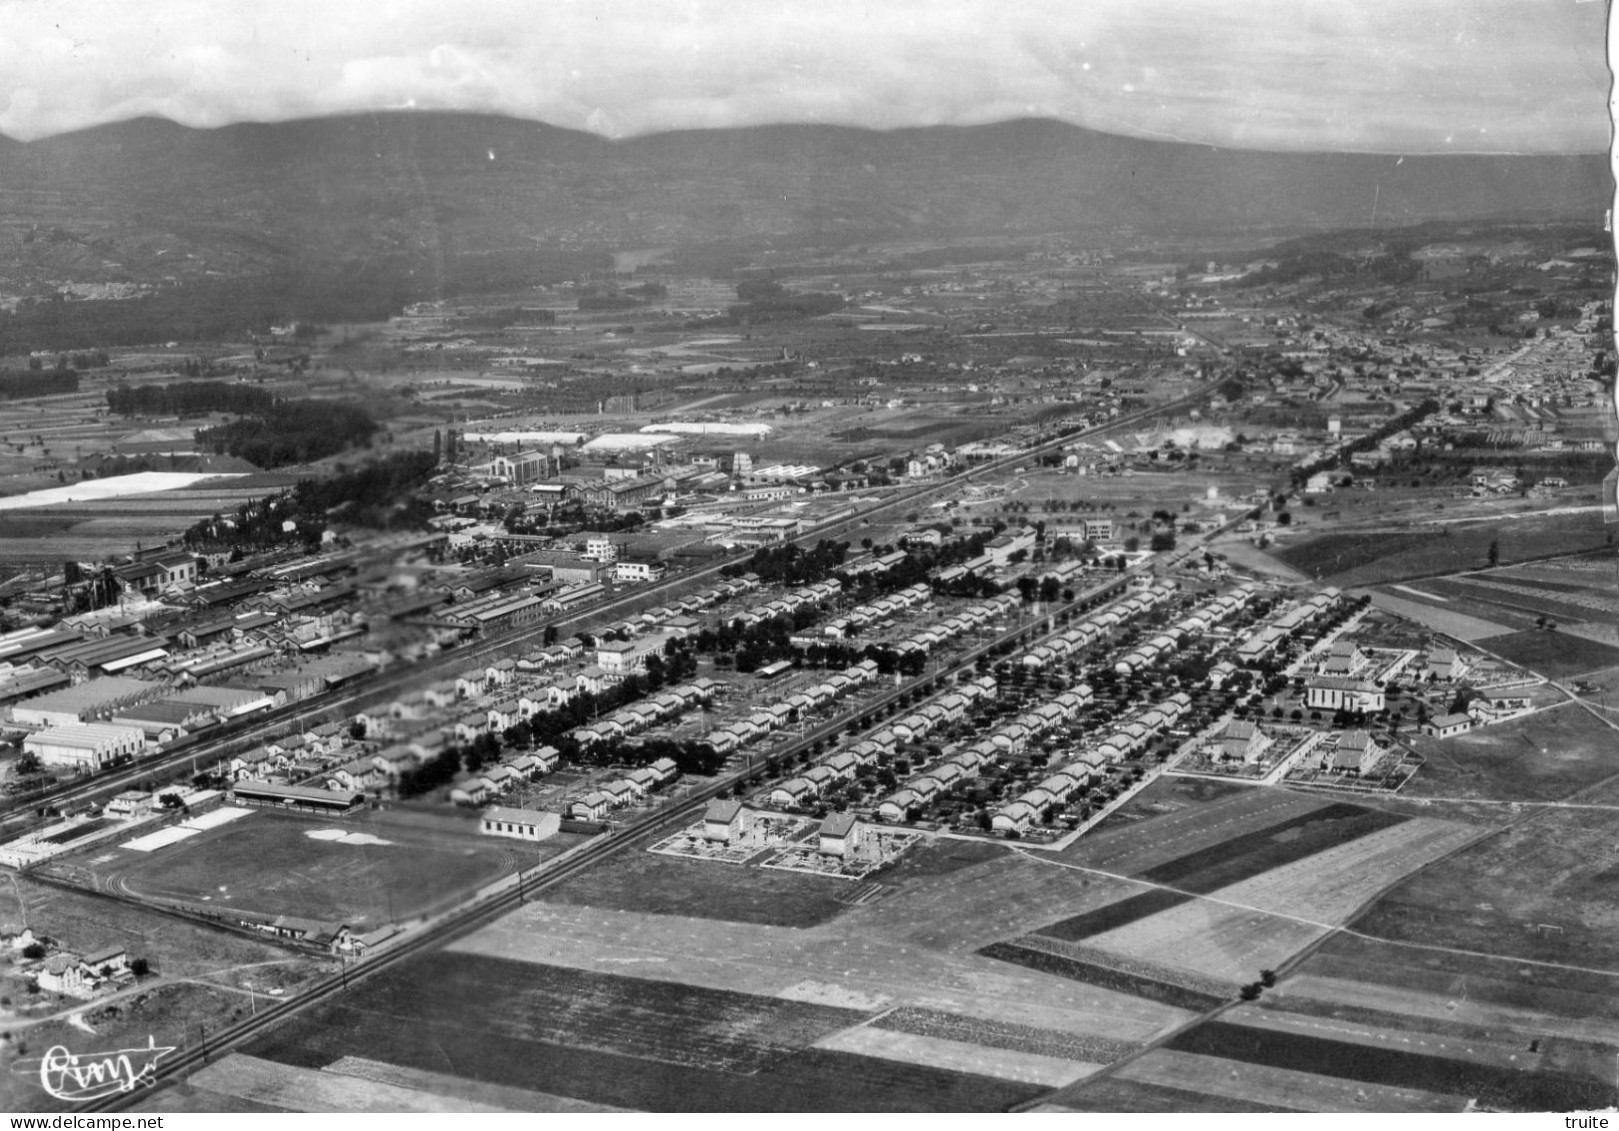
column 907, row 556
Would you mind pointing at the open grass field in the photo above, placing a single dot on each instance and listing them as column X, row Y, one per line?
column 679, row 1048
column 1493, row 1086
column 1542, row 889
column 1445, row 617
column 651, row 884
column 1330, row 885
column 175, row 948
column 1481, row 982
column 868, row 960
column 939, row 1052
column 287, row 1087
column 961, row 911
column 1518, row 597
column 1546, row 756
column 1212, row 940
column 671, row 1022
column 1181, row 816
column 1502, row 1049
column 1330, row 554
column 1558, row 655
column 172, row 1013
column 1349, row 558
column 1251, row 853
column 270, row 865
column 1392, row 1008
column 1265, row 908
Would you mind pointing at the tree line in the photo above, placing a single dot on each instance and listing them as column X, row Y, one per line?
column 188, row 398
column 17, row 384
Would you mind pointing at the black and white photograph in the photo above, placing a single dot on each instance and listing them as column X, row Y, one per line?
column 955, row 557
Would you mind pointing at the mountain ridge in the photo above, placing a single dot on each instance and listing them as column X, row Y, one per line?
column 149, row 198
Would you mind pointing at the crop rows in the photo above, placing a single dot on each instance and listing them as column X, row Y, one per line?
column 1138, row 967
column 1165, row 993
column 1112, row 915
column 1492, row 1086
column 1003, row 1035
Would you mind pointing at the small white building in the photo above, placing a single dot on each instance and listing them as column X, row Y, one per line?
column 518, row 824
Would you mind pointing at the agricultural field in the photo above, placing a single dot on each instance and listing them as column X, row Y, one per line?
column 1558, row 655
column 1384, row 1065
column 621, row 1041
column 877, row 955
column 1262, row 909
column 356, row 871
column 650, row 883
column 1176, row 816
column 1363, row 557
column 1452, row 619
column 1546, row 756
column 1224, row 1081
column 1125, row 1091
column 1571, row 1001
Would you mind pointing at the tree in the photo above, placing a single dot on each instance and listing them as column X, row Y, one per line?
column 1267, row 978
column 1495, row 554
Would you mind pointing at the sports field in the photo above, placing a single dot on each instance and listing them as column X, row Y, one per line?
column 276, row 864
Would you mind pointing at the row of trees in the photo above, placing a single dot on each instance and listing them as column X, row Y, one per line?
column 791, row 564
column 189, row 398
column 16, row 384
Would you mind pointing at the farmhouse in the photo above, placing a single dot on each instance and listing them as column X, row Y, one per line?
column 1494, row 706
column 1243, row 741
column 1356, row 752
column 592, row 806
column 1447, row 725
column 1444, row 663
column 841, row 835
column 727, row 822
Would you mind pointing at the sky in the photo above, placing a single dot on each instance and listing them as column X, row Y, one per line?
column 1406, row 76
